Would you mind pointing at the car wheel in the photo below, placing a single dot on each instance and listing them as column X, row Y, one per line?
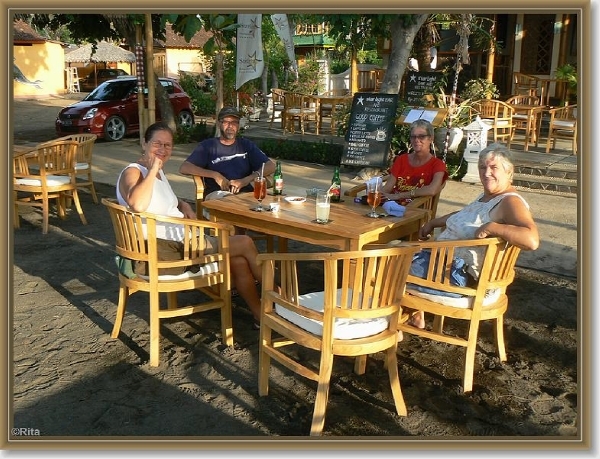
column 186, row 119
column 114, row 128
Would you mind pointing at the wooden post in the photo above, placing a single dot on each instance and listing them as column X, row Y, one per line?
column 150, row 71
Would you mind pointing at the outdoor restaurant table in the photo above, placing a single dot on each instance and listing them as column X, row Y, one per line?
column 349, row 229
column 534, row 118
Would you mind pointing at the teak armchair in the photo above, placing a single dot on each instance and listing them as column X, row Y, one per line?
column 355, row 315
column 301, row 108
column 44, row 173
column 499, row 115
column 83, row 163
column 563, row 125
column 485, row 301
column 210, row 274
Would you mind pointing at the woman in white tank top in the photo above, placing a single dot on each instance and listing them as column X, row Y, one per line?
column 498, row 212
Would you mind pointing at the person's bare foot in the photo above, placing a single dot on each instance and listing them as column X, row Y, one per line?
column 417, row 320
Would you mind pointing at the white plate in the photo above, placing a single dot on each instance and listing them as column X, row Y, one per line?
column 295, row 199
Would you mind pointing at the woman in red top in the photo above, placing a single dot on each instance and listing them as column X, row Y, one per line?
column 419, row 172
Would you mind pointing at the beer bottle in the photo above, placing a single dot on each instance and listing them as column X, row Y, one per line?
column 278, row 178
column 336, row 186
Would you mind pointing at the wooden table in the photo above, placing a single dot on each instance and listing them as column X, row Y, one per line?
column 533, row 116
column 349, row 228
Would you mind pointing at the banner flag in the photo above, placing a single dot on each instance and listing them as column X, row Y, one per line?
column 249, row 61
column 282, row 27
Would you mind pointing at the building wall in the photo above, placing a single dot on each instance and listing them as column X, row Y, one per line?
column 189, row 60
column 38, row 62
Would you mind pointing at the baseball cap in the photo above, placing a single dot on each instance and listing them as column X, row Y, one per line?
column 229, row 111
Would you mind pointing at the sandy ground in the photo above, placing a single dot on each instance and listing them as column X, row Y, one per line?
column 70, row 379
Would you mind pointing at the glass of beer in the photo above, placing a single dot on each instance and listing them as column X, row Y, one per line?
column 373, row 196
column 260, row 192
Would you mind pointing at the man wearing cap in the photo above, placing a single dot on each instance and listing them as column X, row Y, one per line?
column 227, row 163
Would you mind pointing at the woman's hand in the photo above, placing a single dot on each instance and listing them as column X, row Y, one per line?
column 425, row 231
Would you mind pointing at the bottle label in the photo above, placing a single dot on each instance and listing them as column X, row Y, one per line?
column 279, row 184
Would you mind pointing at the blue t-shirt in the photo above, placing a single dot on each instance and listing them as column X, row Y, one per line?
column 232, row 161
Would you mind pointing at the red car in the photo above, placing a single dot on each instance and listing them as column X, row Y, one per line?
column 111, row 110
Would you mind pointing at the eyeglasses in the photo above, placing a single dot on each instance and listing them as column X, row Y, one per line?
column 420, row 137
column 157, row 144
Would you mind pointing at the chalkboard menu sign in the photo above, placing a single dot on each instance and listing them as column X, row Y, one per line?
column 371, row 128
column 420, row 83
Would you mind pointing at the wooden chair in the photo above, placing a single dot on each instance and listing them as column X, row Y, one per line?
column 83, row 164
column 499, row 115
column 530, row 124
column 353, row 316
column 298, row 109
column 212, row 278
column 330, row 107
column 278, row 101
column 485, row 301
column 563, row 125
column 526, row 84
column 45, row 173
column 429, row 203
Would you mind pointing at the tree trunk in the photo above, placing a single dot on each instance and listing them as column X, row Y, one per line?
column 402, row 40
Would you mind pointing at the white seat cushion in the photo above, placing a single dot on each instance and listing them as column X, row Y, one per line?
column 465, row 302
column 208, row 268
column 342, row 329
column 51, row 180
column 82, row 166
column 563, row 124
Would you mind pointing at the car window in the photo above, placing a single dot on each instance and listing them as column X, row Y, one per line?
column 114, row 90
column 168, row 86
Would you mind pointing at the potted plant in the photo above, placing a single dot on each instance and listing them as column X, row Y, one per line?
column 479, row 88
column 458, row 117
column 568, row 74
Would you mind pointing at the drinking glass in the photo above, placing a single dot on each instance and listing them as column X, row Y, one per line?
column 260, row 192
column 373, row 196
column 322, row 207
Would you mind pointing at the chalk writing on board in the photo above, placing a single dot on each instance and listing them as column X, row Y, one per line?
column 370, row 130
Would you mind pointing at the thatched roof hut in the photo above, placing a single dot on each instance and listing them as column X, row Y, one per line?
column 105, row 52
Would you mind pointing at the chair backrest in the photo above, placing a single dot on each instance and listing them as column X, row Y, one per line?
column 498, row 259
column 294, row 100
column 493, row 109
column 525, row 83
column 57, row 158
column 370, row 282
column 278, row 95
column 523, row 99
column 85, row 148
column 136, row 239
column 565, row 113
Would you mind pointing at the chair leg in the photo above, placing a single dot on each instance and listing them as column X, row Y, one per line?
column 45, row 212
column 92, row 187
column 78, row 207
column 392, row 367
column 326, row 367
column 154, row 328
column 264, row 359
column 360, row 364
column 470, row 356
column 123, row 295
column 226, row 317
column 499, row 329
